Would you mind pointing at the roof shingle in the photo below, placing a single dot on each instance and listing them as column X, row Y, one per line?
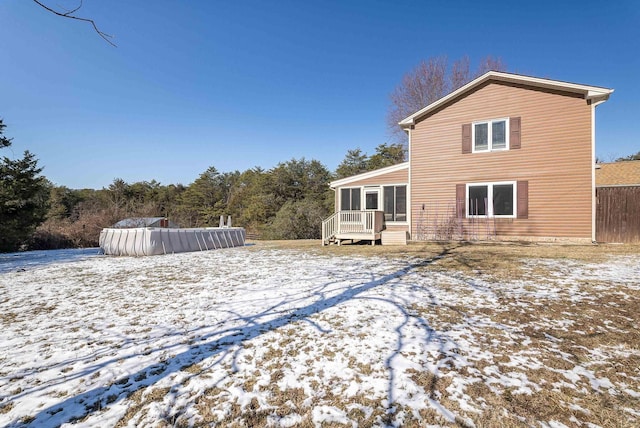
column 618, row 173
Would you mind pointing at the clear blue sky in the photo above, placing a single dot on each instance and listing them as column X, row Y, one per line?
column 234, row 85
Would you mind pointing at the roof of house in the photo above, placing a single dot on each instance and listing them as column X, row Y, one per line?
column 624, row 173
column 369, row 174
column 594, row 93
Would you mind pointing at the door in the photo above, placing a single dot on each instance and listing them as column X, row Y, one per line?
column 371, row 199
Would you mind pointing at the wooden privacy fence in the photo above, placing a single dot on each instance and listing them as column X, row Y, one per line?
column 618, row 214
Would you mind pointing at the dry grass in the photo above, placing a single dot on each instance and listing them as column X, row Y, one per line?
column 610, row 324
column 5, row 408
column 522, row 338
column 140, row 399
column 500, row 260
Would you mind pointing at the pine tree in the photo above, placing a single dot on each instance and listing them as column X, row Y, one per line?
column 354, row 162
column 24, row 195
column 386, row 155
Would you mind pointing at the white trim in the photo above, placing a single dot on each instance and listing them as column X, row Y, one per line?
column 371, row 189
column 594, row 93
column 489, row 123
column 409, row 206
column 593, row 172
column 490, row 185
column 369, row 174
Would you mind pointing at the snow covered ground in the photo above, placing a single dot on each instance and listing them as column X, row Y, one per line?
column 30, row 259
column 276, row 337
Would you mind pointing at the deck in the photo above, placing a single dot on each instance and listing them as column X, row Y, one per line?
column 353, row 226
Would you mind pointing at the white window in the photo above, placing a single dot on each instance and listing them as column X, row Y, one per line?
column 490, row 135
column 491, row 199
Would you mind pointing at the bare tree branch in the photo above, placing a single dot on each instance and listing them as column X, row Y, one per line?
column 427, row 82
column 70, row 14
column 459, row 73
column 419, row 87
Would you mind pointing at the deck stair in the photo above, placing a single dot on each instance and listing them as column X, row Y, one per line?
column 354, row 226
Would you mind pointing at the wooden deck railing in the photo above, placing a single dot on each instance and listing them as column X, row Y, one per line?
column 344, row 222
column 329, row 228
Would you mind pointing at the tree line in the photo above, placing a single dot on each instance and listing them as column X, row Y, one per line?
column 288, row 201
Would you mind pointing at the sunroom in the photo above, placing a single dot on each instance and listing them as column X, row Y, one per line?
column 372, row 206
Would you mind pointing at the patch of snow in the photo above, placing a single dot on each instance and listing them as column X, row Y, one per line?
column 329, row 414
column 29, row 260
column 556, row 424
column 86, row 338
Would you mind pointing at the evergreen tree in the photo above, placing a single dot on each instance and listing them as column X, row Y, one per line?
column 386, row 155
column 252, row 202
column 4, row 141
column 299, row 179
column 201, row 204
column 355, row 162
column 24, row 194
column 298, row 220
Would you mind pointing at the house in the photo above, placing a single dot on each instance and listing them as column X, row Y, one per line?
column 618, row 201
column 129, row 223
column 506, row 156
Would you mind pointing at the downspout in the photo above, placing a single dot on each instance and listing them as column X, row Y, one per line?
column 335, row 199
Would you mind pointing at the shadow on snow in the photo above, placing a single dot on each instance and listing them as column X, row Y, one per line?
column 89, row 402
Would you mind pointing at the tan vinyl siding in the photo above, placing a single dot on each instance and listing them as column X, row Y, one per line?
column 391, row 237
column 397, row 227
column 555, row 157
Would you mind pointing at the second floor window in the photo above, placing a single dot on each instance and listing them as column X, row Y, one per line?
column 490, row 135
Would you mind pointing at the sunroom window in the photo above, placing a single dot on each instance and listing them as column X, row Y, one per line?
column 350, row 199
column 490, row 135
column 395, row 203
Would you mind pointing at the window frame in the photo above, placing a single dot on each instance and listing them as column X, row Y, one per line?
column 351, row 189
column 490, row 208
column 372, row 191
column 489, row 124
column 395, row 201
